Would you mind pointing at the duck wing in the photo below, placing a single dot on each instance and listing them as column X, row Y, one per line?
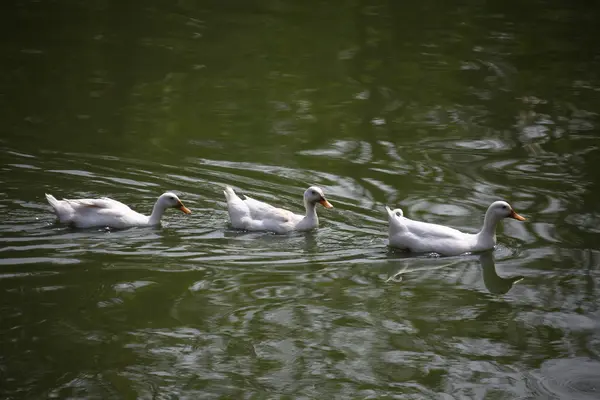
column 103, row 204
column 263, row 211
column 431, row 231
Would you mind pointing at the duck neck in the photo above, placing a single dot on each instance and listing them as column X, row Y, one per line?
column 311, row 210
column 157, row 213
column 489, row 226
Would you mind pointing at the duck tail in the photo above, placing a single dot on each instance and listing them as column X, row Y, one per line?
column 52, row 200
column 229, row 193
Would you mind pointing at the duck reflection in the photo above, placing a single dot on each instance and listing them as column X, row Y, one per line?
column 493, row 282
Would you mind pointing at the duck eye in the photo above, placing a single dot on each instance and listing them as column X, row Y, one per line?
column 398, row 213
column 313, row 192
column 504, row 207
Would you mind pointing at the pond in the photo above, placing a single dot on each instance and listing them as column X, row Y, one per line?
column 433, row 107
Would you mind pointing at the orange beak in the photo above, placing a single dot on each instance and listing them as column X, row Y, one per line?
column 516, row 216
column 325, row 203
column 183, row 208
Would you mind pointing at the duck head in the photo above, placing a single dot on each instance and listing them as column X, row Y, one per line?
column 314, row 195
column 500, row 209
column 170, row 200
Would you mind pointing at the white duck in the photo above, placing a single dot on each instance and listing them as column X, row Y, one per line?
column 254, row 215
column 105, row 212
column 423, row 237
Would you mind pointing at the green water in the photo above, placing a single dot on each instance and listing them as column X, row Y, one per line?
column 436, row 107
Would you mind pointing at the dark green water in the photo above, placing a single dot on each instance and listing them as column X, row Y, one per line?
column 436, row 107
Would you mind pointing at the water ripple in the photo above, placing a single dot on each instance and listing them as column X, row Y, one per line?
column 569, row 378
column 333, row 307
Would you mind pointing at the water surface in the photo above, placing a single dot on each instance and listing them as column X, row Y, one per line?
column 434, row 107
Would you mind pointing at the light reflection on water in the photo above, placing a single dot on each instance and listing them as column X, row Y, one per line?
column 435, row 107
column 303, row 313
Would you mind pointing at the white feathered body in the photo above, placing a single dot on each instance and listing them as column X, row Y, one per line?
column 254, row 215
column 424, row 237
column 103, row 212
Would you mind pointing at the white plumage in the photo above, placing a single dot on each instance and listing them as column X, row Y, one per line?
column 423, row 237
column 253, row 215
column 105, row 212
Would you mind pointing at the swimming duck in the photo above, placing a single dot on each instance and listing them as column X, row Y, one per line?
column 253, row 215
column 423, row 237
column 105, row 212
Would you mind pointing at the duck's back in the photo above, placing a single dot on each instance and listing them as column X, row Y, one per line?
column 265, row 212
column 86, row 213
column 108, row 212
column 433, row 231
